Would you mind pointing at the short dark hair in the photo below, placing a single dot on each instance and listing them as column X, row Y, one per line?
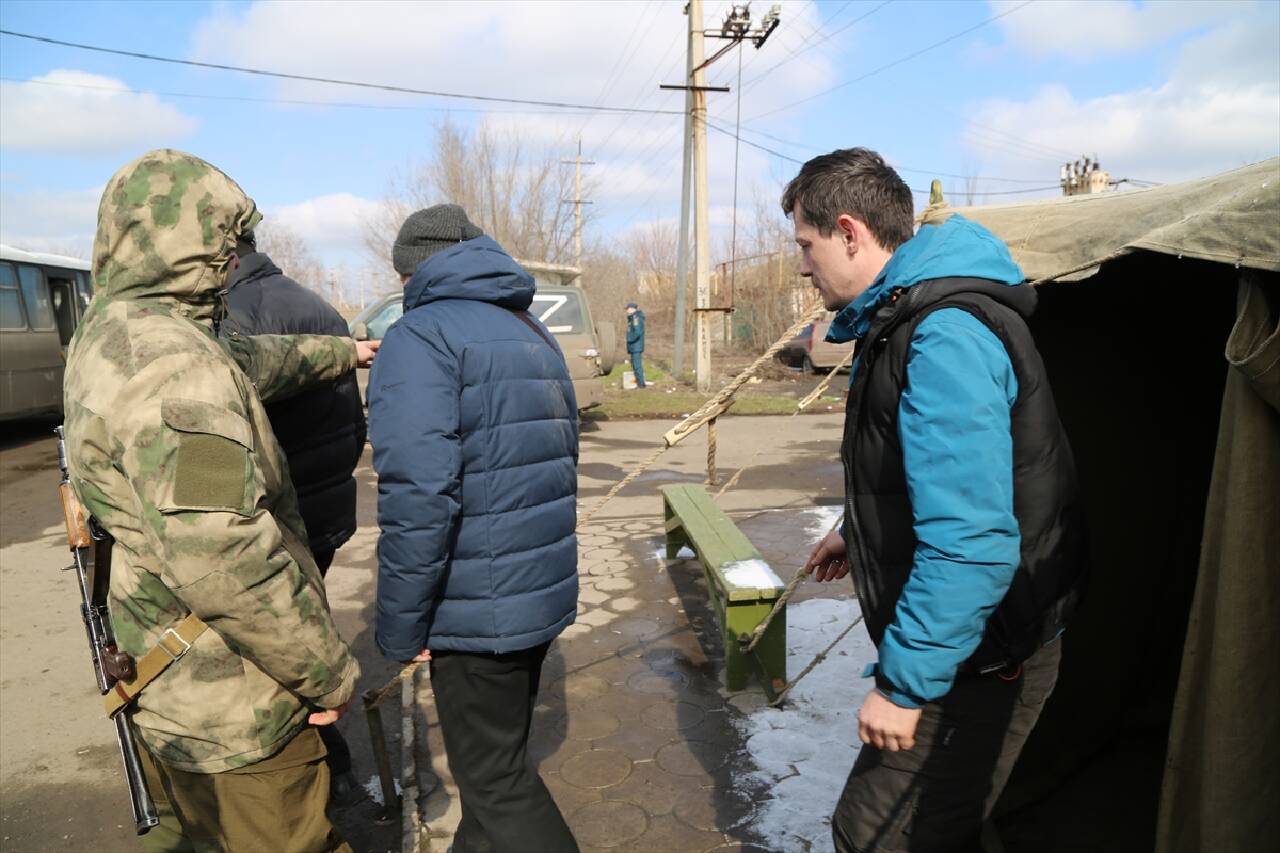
column 856, row 181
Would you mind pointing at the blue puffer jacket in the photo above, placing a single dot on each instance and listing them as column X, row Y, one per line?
column 474, row 428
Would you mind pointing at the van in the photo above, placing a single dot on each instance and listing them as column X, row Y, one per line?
column 590, row 349
column 42, row 298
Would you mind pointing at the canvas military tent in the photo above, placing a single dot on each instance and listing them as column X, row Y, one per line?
column 1158, row 320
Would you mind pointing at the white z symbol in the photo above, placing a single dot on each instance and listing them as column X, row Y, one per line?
column 557, row 301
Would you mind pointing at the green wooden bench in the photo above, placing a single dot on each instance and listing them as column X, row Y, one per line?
column 742, row 586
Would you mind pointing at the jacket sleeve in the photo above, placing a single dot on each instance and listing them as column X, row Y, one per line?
column 280, row 366
column 414, row 412
column 193, row 468
column 954, row 425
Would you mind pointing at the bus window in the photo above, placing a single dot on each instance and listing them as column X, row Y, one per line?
column 11, row 316
column 36, row 297
column 60, row 290
column 84, row 291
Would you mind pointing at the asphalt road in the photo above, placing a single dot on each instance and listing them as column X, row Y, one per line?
column 60, row 782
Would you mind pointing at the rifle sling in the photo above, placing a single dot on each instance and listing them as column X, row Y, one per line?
column 173, row 644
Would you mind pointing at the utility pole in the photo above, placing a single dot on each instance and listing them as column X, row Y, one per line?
column 735, row 29
column 577, row 202
column 682, row 254
column 702, row 209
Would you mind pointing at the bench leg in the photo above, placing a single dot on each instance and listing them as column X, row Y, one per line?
column 742, row 618
column 676, row 537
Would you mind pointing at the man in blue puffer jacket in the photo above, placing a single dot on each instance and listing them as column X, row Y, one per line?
column 474, row 428
column 962, row 526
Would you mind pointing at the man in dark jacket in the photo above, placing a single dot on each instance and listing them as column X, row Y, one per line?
column 322, row 431
column 962, row 520
column 635, row 341
column 475, row 440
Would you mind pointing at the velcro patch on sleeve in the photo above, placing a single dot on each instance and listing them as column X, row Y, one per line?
column 211, row 472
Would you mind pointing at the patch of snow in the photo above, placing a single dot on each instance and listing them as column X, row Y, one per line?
column 374, row 789
column 685, row 553
column 752, row 573
column 821, row 519
column 801, row 753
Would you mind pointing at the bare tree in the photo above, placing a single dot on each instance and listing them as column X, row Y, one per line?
column 290, row 252
column 516, row 195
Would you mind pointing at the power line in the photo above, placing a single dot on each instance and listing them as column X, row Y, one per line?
column 896, row 62
column 386, row 87
column 803, row 47
column 791, row 159
column 291, row 102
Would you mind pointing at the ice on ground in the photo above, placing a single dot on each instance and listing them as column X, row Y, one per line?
column 751, row 573
column 799, row 755
column 685, row 553
column 374, row 789
column 821, row 519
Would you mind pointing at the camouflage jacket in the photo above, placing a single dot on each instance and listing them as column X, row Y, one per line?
column 170, row 448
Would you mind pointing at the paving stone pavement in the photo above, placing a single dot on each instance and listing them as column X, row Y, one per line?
column 633, row 733
column 633, row 730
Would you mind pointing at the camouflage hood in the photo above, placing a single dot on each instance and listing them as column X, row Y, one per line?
column 167, row 228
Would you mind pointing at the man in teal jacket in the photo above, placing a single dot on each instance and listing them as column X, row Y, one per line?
column 962, row 523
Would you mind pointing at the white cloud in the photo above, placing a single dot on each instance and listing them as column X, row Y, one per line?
column 75, row 112
column 50, row 221
column 1219, row 109
column 1106, row 27
column 606, row 52
column 332, row 225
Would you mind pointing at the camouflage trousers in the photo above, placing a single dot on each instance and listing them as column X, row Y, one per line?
column 275, row 804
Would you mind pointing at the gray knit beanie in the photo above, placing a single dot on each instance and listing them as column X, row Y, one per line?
column 428, row 231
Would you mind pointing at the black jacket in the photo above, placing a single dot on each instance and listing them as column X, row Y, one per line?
column 322, row 431
column 1051, row 575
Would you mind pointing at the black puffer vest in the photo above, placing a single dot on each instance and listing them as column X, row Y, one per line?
column 879, row 527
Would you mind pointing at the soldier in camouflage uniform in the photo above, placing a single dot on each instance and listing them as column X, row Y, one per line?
column 170, row 449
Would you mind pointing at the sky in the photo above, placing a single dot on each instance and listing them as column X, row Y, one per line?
column 1005, row 90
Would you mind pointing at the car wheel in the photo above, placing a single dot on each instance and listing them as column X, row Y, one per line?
column 807, row 367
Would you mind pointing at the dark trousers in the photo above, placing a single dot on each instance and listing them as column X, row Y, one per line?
column 485, row 702
column 637, row 367
column 935, row 796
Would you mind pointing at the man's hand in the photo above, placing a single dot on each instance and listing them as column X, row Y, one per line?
column 365, row 351
column 885, row 725
column 329, row 716
column 828, row 561
column 421, row 657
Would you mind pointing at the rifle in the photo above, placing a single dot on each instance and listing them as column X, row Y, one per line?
column 91, row 548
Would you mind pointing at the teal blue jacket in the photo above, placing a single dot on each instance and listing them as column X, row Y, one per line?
column 954, row 427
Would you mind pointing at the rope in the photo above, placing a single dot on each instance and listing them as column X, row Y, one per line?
column 822, row 655
column 717, row 404
column 711, row 452
column 622, row 484
column 800, row 407
column 375, row 697
column 750, row 641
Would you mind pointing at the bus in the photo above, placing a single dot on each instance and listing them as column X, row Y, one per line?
column 42, row 298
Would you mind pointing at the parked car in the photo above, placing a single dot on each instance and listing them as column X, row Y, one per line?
column 42, row 298
column 810, row 351
column 590, row 349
